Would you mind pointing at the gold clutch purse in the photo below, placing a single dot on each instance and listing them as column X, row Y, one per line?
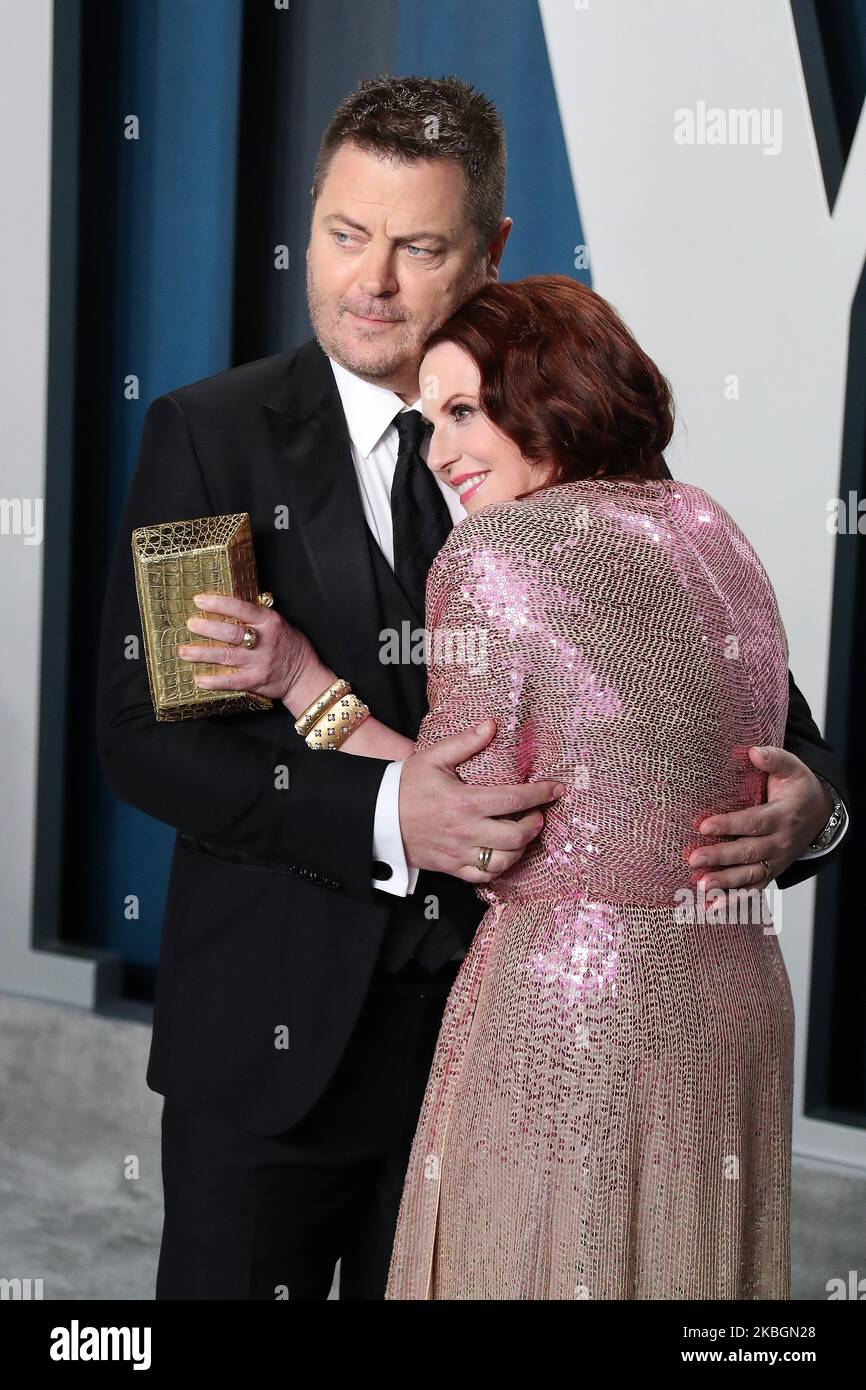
column 173, row 561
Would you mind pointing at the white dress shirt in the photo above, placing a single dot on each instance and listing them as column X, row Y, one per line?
column 370, row 411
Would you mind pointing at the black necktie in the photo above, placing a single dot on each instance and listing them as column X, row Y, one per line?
column 422, row 521
column 422, row 524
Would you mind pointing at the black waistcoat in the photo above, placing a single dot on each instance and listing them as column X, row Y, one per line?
column 457, row 903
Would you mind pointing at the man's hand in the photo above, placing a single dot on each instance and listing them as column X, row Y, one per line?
column 797, row 808
column 444, row 822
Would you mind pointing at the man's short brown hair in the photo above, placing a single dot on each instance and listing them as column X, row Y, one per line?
column 426, row 118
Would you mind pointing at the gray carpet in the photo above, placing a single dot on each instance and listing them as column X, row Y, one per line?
column 80, row 1183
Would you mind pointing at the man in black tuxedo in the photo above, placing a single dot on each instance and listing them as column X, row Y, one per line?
column 318, row 907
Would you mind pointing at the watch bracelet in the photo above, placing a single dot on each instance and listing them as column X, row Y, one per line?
column 834, row 820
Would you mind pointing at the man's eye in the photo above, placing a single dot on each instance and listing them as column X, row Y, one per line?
column 425, row 251
column 337, row 234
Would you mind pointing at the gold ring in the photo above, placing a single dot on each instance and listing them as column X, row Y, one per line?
column 250, row 638
column 266, row 600
column 766, row 865
column 482, row 859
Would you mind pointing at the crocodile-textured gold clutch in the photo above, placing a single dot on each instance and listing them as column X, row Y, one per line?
column 173, row 561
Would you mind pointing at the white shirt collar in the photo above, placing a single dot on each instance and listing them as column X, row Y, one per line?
column 369, row 409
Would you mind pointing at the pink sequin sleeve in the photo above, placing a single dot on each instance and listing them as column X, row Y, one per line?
column 478, row 666
column 493, row 652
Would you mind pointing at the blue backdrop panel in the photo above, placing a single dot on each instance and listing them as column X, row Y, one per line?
column 499, row 46
column 172, row 274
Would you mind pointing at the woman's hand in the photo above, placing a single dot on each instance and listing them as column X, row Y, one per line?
column 280, row 662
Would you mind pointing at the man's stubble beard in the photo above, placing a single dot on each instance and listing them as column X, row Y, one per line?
column 388, row 361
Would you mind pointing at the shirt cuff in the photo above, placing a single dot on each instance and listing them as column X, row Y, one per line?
column 837, row 838
column 389, row 855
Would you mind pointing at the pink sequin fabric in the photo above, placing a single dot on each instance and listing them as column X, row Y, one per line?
column 608, row 1114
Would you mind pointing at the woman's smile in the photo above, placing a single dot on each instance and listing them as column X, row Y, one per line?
column 465, row 484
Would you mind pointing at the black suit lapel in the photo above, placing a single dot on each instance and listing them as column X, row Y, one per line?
column 306, row 418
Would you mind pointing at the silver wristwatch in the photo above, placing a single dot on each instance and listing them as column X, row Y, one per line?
column 828, row 834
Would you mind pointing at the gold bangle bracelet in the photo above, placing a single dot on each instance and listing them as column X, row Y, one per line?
column 334, row 726
column 322, row 703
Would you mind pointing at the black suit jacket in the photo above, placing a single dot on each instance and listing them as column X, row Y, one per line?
column 271, row 921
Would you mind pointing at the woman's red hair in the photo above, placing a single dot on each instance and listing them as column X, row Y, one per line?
column 563, row 378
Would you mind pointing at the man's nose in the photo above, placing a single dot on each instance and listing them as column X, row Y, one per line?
column 376, row 272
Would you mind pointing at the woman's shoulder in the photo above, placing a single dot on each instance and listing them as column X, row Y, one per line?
column 496, row 522
column 689, row 501
column 536, row 524
column 703, row 511
column 696, row 498
column 501, row 520
column 574, row 506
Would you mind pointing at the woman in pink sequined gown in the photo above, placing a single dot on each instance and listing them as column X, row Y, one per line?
column 609, row 1108
column 608, row 1114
